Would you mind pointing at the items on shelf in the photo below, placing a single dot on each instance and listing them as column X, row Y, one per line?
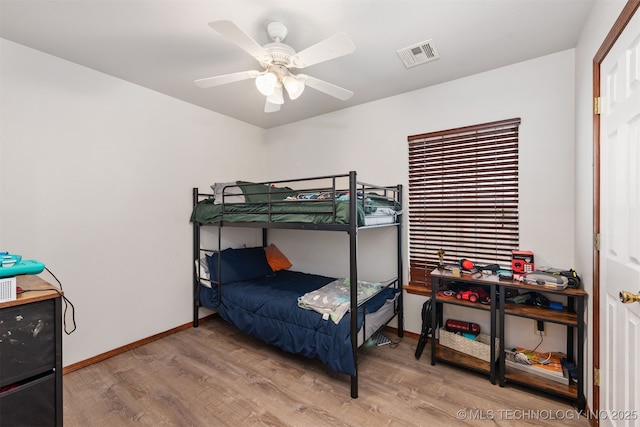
column 467, row 266
column 547, row 365
column 535, row 298
column 548, row 280
column 522, row 269
column 573, row 280
column 464, row 327
column 474, row 294
column 465, row 292
column 505, row 274
column 478, row 346
column 522, row 262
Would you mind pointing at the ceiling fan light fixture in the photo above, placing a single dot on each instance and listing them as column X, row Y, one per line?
column 266, row 83
column 293, row 86
column 277, row 59
column 276, row 97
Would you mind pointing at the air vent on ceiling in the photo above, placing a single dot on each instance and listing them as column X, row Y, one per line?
column 419, row 53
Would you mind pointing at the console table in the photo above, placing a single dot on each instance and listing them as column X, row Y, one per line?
column 572, row 316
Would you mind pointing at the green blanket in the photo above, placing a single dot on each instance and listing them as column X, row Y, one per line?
column 315, row 212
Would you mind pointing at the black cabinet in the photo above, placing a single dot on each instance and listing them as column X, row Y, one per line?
column 31, row 357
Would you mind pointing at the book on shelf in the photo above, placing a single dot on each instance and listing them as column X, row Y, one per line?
column 547, row 365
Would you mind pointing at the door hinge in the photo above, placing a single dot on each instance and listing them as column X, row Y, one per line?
column 597, row 101
column 596, row 241
column 596, row 377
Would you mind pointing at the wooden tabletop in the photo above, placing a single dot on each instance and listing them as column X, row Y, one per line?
column 493, row 279
column 36, row 289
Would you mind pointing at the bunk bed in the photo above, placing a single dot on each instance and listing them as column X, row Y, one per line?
column 273, row 303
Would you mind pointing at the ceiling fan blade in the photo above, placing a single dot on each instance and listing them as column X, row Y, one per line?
column 226, row 78
column 326, row 87
column 270, row 107
column 335, row 46
column 238, row 36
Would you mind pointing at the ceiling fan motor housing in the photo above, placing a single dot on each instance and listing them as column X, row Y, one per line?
column 280, row 53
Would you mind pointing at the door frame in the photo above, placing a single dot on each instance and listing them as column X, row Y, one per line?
column 623, row 19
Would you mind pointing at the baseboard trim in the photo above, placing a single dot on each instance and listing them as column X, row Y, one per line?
column 139, row 343
column 407, row 334
column 125, row 348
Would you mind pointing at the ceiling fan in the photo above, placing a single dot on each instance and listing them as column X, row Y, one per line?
column 278, row 59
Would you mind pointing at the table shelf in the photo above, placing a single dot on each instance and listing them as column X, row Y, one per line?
column 571, row 316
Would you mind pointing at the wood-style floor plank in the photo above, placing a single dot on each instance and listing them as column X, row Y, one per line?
column 215, row 375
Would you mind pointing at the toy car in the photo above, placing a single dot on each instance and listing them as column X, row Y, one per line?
column 468, row 295
column 475, row 294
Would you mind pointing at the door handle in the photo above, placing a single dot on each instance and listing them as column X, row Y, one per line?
column 627, row 297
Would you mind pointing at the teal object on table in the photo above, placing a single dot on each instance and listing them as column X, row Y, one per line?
column 13, row 265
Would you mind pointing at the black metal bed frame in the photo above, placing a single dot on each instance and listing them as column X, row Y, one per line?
column 351, row 228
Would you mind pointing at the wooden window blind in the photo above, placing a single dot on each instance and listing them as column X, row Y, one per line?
column 463, row 196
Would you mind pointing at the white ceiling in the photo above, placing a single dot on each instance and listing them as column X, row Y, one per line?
column 166, row 45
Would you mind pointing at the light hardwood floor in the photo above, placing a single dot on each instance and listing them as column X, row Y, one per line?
column 215, row 375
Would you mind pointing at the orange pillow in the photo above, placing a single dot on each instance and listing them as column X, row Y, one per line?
column 276, row 259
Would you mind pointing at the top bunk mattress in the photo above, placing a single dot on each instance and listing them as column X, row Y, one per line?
column 242, row 202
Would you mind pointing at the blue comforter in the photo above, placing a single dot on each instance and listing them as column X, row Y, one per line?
column 267, row 308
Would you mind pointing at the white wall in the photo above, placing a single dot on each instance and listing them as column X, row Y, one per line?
column 95, row 177
column 372, row 139
column 601, row 20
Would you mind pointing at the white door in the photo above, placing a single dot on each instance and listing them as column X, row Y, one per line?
column 620, row 230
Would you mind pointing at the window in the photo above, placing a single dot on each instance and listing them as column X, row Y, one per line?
column 463, row 196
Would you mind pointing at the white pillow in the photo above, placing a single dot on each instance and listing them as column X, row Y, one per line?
column 232, row 193
column 203, row 271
